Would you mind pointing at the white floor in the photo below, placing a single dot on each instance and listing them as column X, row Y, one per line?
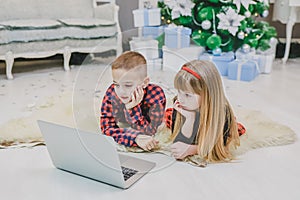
column 268, row 173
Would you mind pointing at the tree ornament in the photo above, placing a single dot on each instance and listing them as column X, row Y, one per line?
column 213, row 41
column 244, row 3
column 180, row 8
column 205, row 13
column 224, row 25
column 217, row 51
column 247, row 14
column 273, row 40
column 214, row 1
column 265, row 13
column 241, row 35
column 246, row 48
column 197, row 9
column 200, row 37
column 206, row 24
column 230, row 20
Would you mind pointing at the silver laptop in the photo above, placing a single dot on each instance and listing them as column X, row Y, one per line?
column 91, row 155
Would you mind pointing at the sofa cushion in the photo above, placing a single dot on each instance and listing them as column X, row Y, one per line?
column 91, row 22
column 22, row 31
column 31, row 24
column 46, row 9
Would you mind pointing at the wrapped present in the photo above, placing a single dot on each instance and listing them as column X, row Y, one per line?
column 175, row 58
column 177, row 36
column 221, row 61
column 265, row 62
column 242, row 55
column 146, row 17
column 146, row 46
column 244, row 70
column 266, row 58
column 154, row 65
column 152, row 31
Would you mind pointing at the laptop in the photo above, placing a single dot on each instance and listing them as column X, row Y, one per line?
column 92, row 155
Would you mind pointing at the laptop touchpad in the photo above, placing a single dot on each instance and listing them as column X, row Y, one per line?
column 123, row 158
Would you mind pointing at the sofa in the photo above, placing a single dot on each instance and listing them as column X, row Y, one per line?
column 43, row 28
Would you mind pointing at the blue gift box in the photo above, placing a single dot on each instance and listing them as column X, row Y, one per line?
column 177, row 37
column 221, row 61
column 152, row 31
column 242, row 70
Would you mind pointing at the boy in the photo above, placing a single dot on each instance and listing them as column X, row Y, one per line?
column 132, row 100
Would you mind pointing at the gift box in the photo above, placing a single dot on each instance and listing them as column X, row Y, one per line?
column 242, row 55
column 265, row 62
column 146, row 46
column 154, row 65
column 267, row 57
column 221, row 61
column 175, row 58
column 146, row 17
column 244, row 70
column 177, row 36
column 152, row 31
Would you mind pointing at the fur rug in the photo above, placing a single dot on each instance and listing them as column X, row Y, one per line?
column 261, row 130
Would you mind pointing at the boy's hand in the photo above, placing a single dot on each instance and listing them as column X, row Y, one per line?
column 146, row 142
column 136, row 98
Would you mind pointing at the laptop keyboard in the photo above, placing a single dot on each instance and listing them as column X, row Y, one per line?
column 127, row 172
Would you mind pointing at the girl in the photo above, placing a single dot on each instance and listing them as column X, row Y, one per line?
column 202, row 120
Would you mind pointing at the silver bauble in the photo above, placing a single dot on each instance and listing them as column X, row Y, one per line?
column 241, row 35
column 247, row 14
column 265, row 13
column 206, row 24
column 246, row 48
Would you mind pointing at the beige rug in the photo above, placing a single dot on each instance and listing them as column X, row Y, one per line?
column 24, row 132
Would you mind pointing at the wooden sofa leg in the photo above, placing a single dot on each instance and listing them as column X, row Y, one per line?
column 67, row 57
column 9, row 60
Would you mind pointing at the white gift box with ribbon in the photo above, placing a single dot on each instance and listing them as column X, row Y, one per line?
column 154, row 65
column 146, row 17
column 264, row 59
column 265, row 62
column 267, row 57
column 146, row 46
column 175, row 58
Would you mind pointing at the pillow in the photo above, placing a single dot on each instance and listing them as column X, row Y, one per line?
column 30, row 24
column 86, row 22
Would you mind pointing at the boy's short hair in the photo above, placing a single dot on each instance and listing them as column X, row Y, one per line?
column 129, row 60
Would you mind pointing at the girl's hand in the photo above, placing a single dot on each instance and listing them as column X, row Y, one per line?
column 179, row 150
column 146, row 142
column 187, row 114
column 136, row 98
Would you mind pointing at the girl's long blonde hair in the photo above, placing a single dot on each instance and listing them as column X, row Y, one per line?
column 214, row 109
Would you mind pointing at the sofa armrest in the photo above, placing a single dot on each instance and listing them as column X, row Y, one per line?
column 110, row 11
column 107, row 11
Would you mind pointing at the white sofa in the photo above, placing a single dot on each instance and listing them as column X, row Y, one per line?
column 42, row 28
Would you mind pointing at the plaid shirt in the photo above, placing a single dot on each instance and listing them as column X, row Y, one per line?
column 143, row 118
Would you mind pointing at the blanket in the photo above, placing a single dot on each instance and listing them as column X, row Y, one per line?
column 24, row 132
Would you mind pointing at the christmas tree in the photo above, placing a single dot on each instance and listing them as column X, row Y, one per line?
column 222, row 25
